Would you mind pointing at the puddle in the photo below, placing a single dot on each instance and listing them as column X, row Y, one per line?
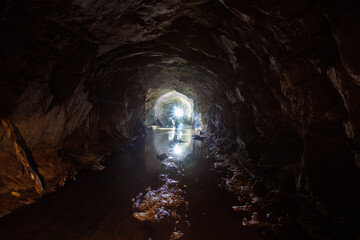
column 137, row 197
column 167, row 202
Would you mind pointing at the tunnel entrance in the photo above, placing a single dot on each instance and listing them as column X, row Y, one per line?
column 167, row 108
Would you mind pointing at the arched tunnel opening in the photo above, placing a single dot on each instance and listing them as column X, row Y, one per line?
column 169, row 107
column 201, row 119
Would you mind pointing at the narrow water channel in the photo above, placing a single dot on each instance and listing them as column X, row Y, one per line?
column 139, row 196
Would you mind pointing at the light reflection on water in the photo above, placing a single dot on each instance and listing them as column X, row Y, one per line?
column 167, row 201
column 179, row 140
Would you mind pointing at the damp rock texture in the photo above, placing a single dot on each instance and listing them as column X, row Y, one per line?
column 275, row 83
column 159, row 203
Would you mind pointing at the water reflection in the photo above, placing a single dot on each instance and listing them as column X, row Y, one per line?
column 167, row 202
column 159, row 203
column 175, row 135
column 177, row 150
column 180, row 143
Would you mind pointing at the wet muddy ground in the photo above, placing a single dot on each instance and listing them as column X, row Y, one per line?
column 139, row 197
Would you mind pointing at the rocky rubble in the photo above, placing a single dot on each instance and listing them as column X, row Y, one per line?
column 166, row 203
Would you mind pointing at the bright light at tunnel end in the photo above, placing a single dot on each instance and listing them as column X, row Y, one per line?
column 178, row 112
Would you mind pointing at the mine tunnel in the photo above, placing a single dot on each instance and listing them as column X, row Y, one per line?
column 179, row 119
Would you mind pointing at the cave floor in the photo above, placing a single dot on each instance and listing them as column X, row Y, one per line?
column 180, row 194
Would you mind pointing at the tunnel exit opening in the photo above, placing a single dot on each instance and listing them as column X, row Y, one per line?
column 169, row 108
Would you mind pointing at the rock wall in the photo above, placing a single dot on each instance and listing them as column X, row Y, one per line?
column 277, row 81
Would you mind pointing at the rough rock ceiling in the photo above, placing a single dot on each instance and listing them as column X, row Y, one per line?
column 280, row 77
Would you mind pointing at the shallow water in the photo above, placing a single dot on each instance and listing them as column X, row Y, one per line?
column 180, row 195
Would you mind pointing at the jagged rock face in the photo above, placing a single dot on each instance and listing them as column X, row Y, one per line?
column 277, row 79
